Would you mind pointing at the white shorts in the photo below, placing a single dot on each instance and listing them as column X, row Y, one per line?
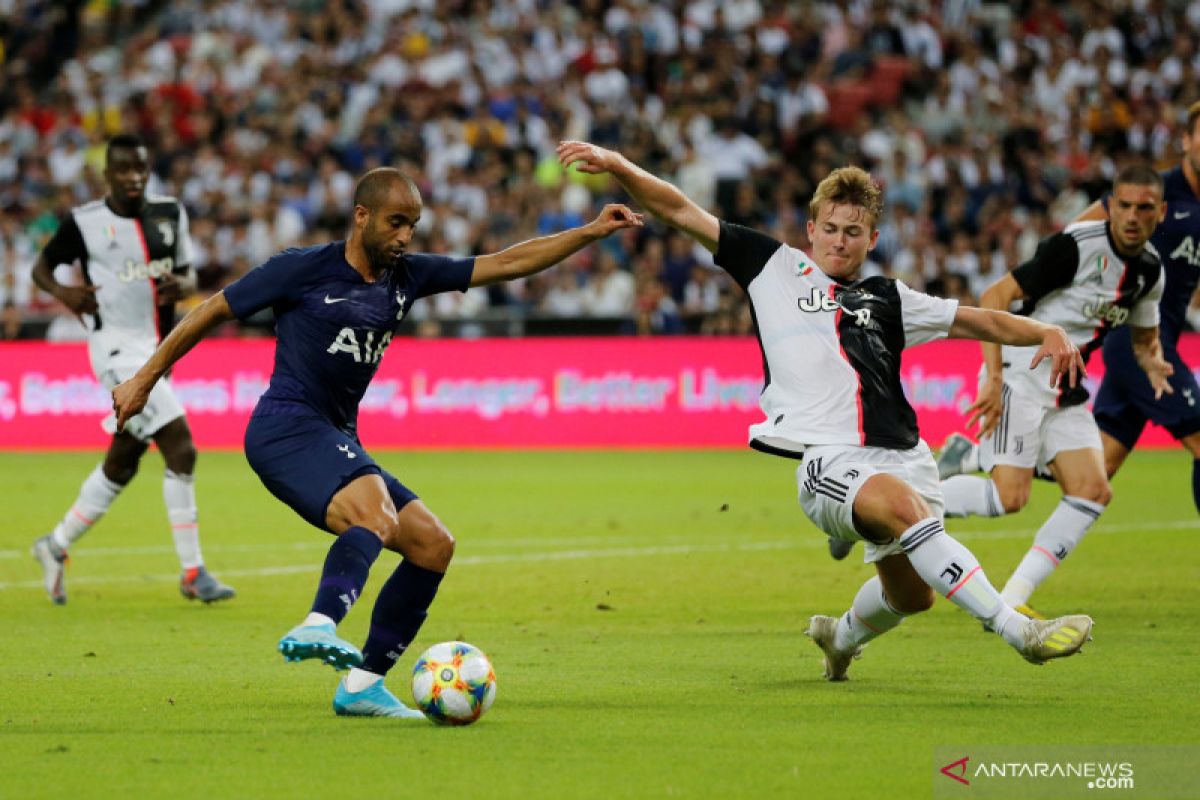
column 830, row 476
column 161, row 408
column 1030, row 434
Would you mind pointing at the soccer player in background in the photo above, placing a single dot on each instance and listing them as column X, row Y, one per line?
column 1126, row 400
column 135, row 256
column 1091, row 278
column 831, row 348
column 336, row 308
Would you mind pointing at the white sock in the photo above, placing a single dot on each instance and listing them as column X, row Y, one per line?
column 95, row 497
column 360, row 679
column 954, row 573
column 970, row 462
column 179, row 493
column 314, row 618
column 869, row 616
column 1058, row 536
column 968, row 495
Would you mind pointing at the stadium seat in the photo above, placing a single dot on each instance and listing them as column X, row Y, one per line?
column 887, row 79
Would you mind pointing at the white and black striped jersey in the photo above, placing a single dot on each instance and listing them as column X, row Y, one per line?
column 831, row 350
column 1078, row 281
column 123, row 257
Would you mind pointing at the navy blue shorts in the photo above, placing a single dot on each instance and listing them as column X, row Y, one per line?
column 305, row 461
column 1125, row 401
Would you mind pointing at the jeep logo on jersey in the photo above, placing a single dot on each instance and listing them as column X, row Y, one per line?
column 1106, row 311
column 137, row 271
column 367, row 351
column 819, row 301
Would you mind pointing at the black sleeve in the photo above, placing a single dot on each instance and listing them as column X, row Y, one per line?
column 1052, row 267
column 743, row 252
column 66, row 244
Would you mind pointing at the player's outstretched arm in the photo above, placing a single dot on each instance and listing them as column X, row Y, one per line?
column 1001, row 327
column 130, row 397
column 995, row 327
column 654, row 194
column 1147, row 349
column 538, row 254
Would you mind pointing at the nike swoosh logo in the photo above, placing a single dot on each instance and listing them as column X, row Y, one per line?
column 329, row 299
column 1182, row 214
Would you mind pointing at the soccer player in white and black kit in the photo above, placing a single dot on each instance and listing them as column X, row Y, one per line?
column 135, row 255
column 831, row 349
column 337, row 307
column 1093, row 277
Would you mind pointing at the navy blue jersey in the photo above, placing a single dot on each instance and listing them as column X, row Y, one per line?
column 331, row 325
column 1177, row 240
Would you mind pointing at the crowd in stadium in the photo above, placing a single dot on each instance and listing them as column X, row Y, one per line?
column 990, row 125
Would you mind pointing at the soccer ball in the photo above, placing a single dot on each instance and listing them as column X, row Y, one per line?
column 453, row 683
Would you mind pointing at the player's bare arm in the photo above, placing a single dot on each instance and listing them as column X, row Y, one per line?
column 986, row 409
column 657, row 196
column 79, row 299
column 994, row 326
column 130, row 397
column 538, row 254
column 1147, row 349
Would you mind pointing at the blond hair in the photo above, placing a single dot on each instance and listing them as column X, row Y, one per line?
column 849, row 186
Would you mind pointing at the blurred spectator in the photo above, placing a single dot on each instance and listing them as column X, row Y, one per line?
column 1007, row 117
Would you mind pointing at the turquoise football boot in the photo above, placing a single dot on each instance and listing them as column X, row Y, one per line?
column 373, row 701
column 319, row 641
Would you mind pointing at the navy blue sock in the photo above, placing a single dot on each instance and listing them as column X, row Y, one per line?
column 399, row 613
column 346, row 568
column 1196, row 482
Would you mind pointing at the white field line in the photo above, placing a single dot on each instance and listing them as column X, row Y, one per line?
column 567, row 555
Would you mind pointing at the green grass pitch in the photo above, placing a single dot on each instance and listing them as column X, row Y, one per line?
column 644, row 613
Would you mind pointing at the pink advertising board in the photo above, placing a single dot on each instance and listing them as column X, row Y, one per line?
column 490, row 393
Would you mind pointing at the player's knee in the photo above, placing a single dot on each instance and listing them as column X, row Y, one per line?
column 445, row 545
column 120, row 471
column 424, row 540
column 1013, row 498
column 909, row 508
column 886, row 507
column 914, row 600
column 1097, row 490
column 181, row 459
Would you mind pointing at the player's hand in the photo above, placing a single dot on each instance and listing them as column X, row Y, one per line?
column 168, row 290
column 129, row 398
column 587, row 157
column 987, row 408
column 1159, row 371
column 79, row 299
column 614, row 217
column 1064, row 356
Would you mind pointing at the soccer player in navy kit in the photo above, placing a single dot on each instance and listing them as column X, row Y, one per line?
column 1126, row 400
column 831, row 346
column 336, row 308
